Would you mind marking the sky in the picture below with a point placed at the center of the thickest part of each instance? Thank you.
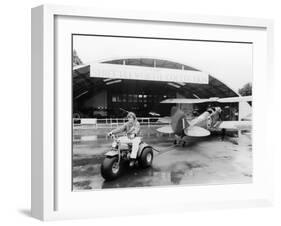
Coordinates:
(231, 63)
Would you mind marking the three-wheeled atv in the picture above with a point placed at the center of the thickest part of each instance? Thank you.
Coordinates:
(119, 157)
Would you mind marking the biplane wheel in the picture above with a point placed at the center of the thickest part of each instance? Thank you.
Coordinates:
(183, 144)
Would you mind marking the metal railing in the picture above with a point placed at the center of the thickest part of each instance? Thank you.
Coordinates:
(114, 122)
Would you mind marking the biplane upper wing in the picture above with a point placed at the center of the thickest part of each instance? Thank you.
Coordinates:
(184, 101)
(211, 99)
(235, 99)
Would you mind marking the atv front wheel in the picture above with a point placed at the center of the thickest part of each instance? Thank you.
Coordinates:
(110, 168)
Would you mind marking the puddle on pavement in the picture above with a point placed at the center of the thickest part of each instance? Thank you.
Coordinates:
(82, 185)
(137, 177)
(168, 169)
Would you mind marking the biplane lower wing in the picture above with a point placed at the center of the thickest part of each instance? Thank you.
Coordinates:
(165, 129)
(164, 120)
(196, 131)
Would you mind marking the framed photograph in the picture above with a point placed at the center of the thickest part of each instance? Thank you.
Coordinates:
(136, 113)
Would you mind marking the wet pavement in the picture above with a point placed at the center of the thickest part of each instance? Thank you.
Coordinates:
(202, 161)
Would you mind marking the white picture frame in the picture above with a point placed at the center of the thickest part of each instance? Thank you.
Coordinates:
(47, 188)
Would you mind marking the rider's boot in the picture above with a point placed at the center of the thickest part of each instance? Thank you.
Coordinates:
(132, 162)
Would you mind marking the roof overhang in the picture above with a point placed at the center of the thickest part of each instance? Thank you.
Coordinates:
(85, 77)
(116, 71)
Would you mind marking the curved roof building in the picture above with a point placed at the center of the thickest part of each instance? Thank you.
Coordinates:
(138, 95)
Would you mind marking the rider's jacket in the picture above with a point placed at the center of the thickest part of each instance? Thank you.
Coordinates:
(129, 128)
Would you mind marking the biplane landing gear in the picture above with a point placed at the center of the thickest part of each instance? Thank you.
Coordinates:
(180, 141)
(183, 143)
(177, 140)
(222, 134)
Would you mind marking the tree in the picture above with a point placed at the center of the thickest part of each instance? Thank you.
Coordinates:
(246, 90)
(75, 59)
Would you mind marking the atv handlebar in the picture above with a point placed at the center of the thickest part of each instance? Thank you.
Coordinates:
(115, 137)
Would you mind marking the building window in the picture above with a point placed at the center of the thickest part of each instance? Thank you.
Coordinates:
(124, 99)
(130, 98)
(135, 98)
(144, 98)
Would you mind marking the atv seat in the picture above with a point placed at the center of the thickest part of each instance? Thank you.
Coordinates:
(125, 144)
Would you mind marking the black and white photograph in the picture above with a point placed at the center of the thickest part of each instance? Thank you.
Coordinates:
(152, 112)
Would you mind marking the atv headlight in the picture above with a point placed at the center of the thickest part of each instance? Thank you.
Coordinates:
(114, 144)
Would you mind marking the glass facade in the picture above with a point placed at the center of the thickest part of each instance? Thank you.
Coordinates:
(141, 103)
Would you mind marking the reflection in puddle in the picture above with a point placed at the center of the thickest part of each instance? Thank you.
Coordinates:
(84, 185)
(184, 169)
(89, 138)
(77, 138)
(154, 176)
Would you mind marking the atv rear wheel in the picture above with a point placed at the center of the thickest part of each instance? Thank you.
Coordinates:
(146, 157)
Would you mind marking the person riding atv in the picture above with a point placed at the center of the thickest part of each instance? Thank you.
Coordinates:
(126, 149)
(132, 130)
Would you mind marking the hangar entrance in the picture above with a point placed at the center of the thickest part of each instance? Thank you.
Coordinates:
(112, 98)
(142, 97)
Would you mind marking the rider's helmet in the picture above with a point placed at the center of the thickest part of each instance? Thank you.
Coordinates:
(132, 114)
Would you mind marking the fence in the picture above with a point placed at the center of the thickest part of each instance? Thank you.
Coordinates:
(113, 122)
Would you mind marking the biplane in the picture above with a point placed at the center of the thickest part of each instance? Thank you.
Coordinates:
(202, 125)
